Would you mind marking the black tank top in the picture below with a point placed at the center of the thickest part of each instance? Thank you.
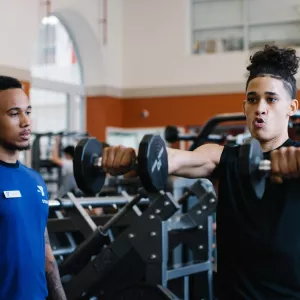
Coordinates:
(258, 240)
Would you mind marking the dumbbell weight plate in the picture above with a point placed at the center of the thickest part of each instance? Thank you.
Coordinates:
(152, 168)
(153, 163)
(171, 134)
(89, 178)
(249, 158)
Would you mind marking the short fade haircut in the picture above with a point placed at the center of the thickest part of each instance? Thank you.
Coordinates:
(275, 62)
(69, 150)
(7, 82)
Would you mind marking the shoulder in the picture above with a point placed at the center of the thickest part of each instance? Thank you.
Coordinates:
(228, 160)
(230, 152)
(67, 166)
(33, 174)
(66, 162)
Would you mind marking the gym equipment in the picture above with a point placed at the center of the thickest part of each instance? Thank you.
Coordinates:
(151, 165)
(58, 204)
(138, 261)
(41, 162)
(212, 123)
(238, 139)
(97, 236)
(62, 226)
(172, 135)
(253, 167)
(69, 224)
(37, 162)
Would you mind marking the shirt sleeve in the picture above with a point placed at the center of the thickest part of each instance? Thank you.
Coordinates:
(67, 166)
(228, 158)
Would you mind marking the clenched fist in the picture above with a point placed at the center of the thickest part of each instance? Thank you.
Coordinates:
(118, 160)
(285, 163)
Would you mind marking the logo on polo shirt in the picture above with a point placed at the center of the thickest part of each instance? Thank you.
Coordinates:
(41, 190)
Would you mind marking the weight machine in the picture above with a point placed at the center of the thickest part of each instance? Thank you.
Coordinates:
(138, 263)
(40, 158)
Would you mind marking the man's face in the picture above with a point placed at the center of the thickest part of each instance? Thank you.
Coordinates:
(268, 107)
(15, 120)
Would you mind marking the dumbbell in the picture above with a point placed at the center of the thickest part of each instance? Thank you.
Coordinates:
(172, 135)
(151, 164)
(253, 167)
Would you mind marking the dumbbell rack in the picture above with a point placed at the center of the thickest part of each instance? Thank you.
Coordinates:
(73, 221)
(141, 253)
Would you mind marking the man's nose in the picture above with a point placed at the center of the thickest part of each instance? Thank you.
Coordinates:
(261, 108)
(25, 120)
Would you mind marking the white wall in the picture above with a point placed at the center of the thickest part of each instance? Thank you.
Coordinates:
(157, 49)
(103, 63)
(18, 32)
(148, 46)
(20, 21)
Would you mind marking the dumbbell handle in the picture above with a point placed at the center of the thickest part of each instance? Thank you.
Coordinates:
(98, 163)
(264, 165)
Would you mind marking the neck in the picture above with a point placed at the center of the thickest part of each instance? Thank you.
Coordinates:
(8, 156)
(270, 145)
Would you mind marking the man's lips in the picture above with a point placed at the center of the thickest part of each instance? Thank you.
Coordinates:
(259, 122)
(25, 135)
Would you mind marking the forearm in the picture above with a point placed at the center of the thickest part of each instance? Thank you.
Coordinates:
(55, 150)
(194, 164)
(55, 288)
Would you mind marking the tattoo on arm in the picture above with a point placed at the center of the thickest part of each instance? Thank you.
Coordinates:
(55, 288)
(47, 241)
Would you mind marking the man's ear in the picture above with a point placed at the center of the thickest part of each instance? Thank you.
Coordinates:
(293, 107)
(244, 104)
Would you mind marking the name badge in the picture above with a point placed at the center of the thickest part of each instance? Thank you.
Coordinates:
(12, 194)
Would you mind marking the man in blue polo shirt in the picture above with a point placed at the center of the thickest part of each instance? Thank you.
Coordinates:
(28, 270)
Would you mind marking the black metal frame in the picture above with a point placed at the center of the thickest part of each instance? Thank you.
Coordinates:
(142, 252)
(212, 123)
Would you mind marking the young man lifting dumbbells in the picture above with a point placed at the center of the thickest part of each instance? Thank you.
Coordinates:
(258, 240)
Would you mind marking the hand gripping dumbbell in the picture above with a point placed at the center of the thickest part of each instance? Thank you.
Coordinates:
(151, 164)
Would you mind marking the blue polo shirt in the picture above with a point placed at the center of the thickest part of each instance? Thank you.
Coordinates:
(23, 219)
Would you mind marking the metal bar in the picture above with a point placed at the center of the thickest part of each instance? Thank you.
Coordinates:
(165, 253)
(209, 258)
(186, 288)
(135, 208)
(61, 225)
(67, 225)
(129, 205)
(63, 251)
(188, 270)
(92, 202)
(212, 123)
(85, 216)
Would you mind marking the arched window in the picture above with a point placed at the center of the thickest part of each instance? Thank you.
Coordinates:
(57, 80)
(56, 94)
